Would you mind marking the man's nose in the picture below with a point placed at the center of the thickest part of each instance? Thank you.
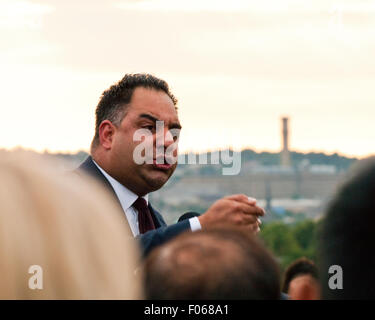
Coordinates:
(168, 139)
(164, 139)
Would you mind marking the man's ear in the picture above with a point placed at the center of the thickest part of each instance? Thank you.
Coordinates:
(106, 132)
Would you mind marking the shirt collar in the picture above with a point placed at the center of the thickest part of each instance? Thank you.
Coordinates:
(126, 196)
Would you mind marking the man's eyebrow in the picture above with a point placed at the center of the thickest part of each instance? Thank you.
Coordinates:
(148, 116)
(175, 125)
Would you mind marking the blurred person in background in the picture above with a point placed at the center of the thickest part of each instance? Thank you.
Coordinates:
(301, 280)
(347, 240)
(222, 263)
(136, 103)
(61, 237)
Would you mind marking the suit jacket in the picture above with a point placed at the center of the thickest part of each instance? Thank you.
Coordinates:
(152, 238)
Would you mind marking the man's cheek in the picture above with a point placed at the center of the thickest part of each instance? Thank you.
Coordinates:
(173, 167)
(175, 153)
(143, 151)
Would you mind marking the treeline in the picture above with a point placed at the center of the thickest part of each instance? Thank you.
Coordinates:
(289, 242)
(341, 163)
(269, 158)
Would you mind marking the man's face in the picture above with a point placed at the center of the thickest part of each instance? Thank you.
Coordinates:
(146, 107)
(304, 287)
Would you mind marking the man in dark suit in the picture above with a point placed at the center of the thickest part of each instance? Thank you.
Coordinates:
(138, 102)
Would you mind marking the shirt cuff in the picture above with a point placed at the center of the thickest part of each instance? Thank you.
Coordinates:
(195, 225)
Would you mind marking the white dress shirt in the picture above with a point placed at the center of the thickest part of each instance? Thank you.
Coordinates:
(127, 198)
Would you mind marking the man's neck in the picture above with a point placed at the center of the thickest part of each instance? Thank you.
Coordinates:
(101, 159)
(113, 182)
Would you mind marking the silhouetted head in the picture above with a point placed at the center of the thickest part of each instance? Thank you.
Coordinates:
(347, 239)
(212, 264)
(67, 230)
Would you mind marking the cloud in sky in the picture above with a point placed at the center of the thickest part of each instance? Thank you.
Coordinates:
(22, 14)
(265, 6)
(94, 36)
(310, 59)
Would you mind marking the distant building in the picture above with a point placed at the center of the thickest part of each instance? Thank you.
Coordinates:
(285, 154)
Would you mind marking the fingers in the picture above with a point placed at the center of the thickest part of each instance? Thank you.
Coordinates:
(236, 209)
(251, 221)
(252, 228)
(242, 198)
(257, 230)
(249, 209)
(241, 203)
(259, 211)
(248, 219)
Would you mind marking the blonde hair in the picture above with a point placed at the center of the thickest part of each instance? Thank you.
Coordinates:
(67, 225)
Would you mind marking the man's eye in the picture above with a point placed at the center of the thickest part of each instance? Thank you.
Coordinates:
(149, 127)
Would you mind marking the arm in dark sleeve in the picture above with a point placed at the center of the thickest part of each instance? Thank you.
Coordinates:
(154, 238)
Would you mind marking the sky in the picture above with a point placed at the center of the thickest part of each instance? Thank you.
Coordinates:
(236, 67)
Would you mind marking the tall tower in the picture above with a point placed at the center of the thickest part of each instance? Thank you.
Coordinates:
(285, 154)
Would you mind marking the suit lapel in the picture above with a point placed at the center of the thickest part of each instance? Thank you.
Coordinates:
(157, 217)
(89, 167)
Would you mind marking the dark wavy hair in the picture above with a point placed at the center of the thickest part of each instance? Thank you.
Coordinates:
(299, 267)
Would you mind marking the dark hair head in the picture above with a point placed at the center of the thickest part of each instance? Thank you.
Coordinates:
(347, 238)
(301, 266)
(113, 102)
(212, 264)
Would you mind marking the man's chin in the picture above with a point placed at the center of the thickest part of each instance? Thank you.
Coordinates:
(157, 178)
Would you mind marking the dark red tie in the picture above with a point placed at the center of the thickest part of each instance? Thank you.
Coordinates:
(145, 221)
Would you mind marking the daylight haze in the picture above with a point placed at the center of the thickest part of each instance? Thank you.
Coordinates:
(236, 67)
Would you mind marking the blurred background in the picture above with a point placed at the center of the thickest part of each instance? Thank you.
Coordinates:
(288, 84)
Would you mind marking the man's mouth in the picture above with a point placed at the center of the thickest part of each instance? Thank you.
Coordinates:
(162, 166)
